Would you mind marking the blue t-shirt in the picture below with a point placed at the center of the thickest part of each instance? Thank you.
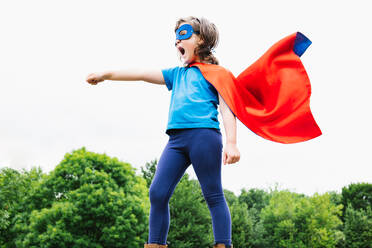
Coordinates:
(194, 100)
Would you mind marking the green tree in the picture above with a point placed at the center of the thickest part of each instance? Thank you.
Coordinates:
(336, 198)
(89, 200)
(255, 198)
(358, 228)
(149, 171)
(230, 197)
(293, 220)
(9, 195)
(242, 225)
(15, 187)
(358, 195)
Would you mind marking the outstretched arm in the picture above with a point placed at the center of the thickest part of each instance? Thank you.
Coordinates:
(231, 153)
(150, 76)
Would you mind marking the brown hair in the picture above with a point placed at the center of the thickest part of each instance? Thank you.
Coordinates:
(208, 33)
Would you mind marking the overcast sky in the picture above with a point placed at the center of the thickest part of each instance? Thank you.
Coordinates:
(47, 48)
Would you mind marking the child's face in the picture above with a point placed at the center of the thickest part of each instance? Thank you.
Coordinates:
(186, 47)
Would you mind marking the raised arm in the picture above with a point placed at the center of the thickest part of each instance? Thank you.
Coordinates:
(231, 153)
(150, 76)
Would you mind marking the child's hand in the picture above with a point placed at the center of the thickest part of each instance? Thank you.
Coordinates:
(95, 78)
(231, 154)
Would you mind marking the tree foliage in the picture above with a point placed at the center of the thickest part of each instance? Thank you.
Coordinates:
(358, 196)
(148, 172)
(230, 197)
(89, 200)
(292, 220)
(254, 198)
(242, 225)
(358, 228)
(15, 188)
(92, 200)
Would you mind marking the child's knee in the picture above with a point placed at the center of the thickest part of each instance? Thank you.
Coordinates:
(214, 199)
(158, 194)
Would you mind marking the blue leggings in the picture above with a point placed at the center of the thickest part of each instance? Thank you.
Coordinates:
(201, 147)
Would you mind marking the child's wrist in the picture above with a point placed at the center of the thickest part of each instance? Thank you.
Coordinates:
(231, 143)
(106, 75)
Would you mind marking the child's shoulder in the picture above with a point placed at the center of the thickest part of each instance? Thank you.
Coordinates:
(211, 68)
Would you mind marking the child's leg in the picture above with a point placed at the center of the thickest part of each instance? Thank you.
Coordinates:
(206, 154)
(170, 169)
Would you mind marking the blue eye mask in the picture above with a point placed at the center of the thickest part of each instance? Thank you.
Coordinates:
(186, 30)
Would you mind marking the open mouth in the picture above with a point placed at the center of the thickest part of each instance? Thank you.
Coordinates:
(182, 50)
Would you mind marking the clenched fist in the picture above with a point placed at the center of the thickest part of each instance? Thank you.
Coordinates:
(231, 154)
(95, 78)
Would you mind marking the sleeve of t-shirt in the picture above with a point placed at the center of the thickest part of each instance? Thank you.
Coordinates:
(169, 75)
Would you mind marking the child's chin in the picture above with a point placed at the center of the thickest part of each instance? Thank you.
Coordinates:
(186, 61)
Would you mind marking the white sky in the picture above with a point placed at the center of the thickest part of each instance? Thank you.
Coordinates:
(47, 48)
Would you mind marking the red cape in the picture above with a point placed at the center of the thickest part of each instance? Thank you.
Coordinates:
(272, 96)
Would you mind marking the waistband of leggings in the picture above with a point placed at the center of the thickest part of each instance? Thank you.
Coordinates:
(181, 130)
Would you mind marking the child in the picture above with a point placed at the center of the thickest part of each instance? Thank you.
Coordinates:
(193, 129)
(271, 97)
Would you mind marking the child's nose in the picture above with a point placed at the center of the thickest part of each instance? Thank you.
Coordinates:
(177, 41)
